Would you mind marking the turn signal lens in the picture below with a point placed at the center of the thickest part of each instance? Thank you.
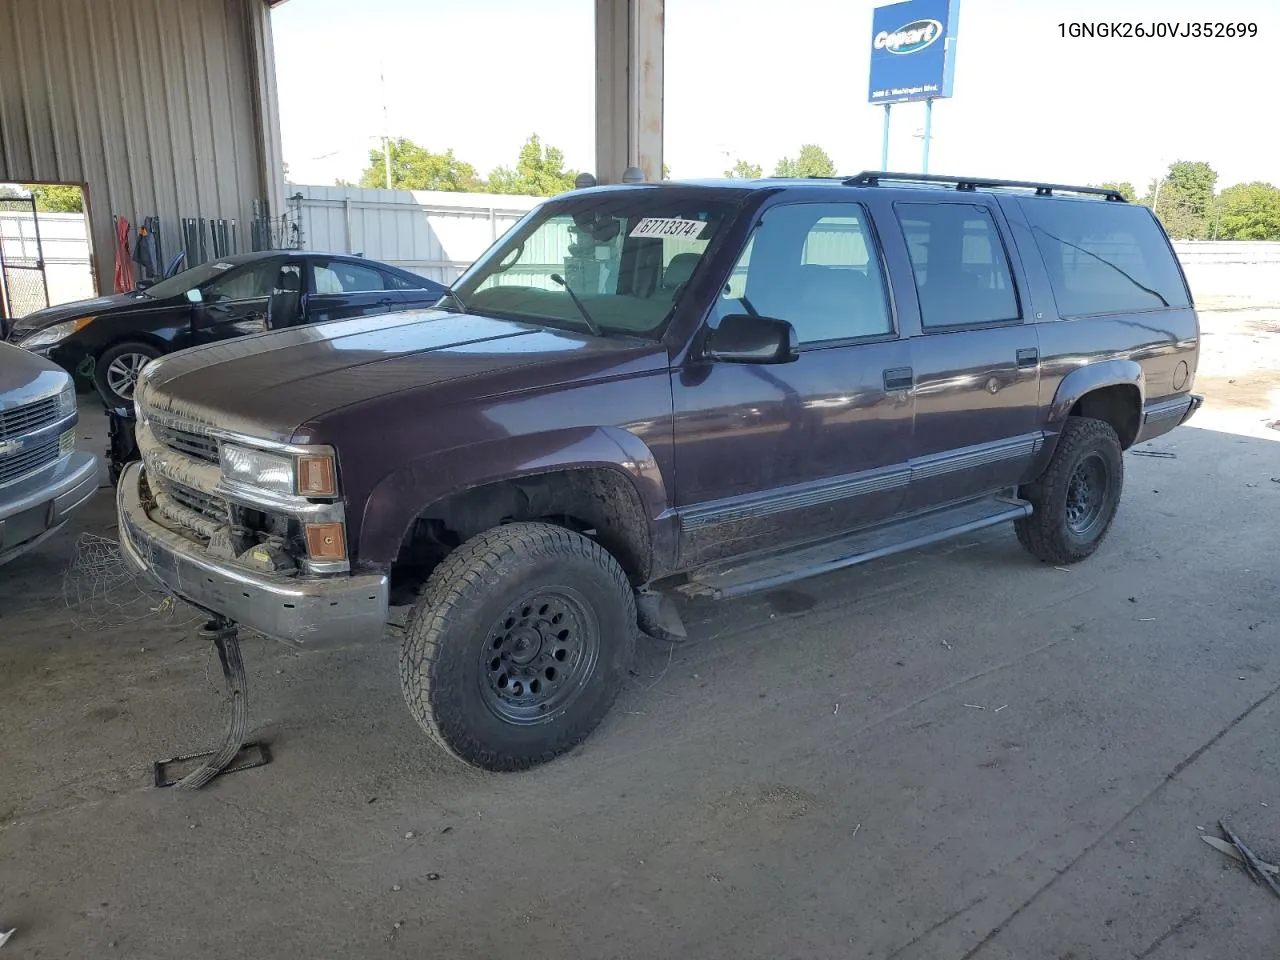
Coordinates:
(316, 477)
(326, 541)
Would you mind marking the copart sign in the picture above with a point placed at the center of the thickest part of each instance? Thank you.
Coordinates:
(912, 50)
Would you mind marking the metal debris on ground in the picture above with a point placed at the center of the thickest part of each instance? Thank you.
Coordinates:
(1159, 454)
(998, 709)
(1259, 871)
(946, 643)
(4, 937)
(975, 706)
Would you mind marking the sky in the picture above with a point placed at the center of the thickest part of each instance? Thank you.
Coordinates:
(754, 80)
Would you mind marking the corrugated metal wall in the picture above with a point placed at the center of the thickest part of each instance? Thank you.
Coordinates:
(434, 234)
(160, 107)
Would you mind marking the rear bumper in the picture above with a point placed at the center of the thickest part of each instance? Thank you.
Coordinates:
(1196, 401)
(302, 611)
(1162, 416)
(33, 509)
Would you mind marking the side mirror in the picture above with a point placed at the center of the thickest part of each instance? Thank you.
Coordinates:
(144, 284)
(746, 338)
(194, 296)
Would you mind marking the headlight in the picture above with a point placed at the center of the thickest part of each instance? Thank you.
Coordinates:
(67, 401)
(308, 475)
(54, 334)
(257, 468)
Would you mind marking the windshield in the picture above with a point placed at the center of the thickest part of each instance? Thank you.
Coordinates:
(180, 283)
(627, 257)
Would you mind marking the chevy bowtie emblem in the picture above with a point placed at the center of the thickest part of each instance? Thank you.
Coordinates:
(9, 447)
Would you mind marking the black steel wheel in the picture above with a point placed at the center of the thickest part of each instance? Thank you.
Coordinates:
(1076, 498)
(518, 645)
(539, 654)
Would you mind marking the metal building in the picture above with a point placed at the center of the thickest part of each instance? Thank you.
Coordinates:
(162, 108)
(168, 108)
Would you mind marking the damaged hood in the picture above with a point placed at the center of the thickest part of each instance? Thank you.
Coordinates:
(272, 385)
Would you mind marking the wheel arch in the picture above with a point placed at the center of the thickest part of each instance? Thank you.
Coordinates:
(1112, 391)
(604, 480)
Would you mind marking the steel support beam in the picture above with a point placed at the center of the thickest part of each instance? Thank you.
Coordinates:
(629, 35)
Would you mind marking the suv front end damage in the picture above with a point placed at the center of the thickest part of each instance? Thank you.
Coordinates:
(251, 530)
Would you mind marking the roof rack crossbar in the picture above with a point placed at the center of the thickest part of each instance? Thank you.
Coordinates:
(871, 178)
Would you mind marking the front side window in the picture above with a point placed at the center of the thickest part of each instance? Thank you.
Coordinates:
(960, 266)
(248, 283)
(813, 265)
(627, 257)
(1104, 257)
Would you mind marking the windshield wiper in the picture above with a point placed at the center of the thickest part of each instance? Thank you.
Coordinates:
(591, 324)
(450, 295)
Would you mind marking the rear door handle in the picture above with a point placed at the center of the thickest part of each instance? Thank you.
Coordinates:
(899, 378)
(1028, 357)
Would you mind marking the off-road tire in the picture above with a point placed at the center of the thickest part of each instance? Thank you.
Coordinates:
(1046, 534)
(464, 603)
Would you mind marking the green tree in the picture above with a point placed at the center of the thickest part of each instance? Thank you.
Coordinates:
(1124, 188)
(58, 198)
(539, 172)
(812, 162)
(414, 167)
(1248, 211)
(741, 170)
(1183, 199)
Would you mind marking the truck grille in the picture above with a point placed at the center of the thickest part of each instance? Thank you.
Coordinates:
(190, 444)
(28, 460)
(215, 508)
(28, 419)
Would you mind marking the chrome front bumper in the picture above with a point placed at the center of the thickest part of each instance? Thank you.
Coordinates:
(302, 611)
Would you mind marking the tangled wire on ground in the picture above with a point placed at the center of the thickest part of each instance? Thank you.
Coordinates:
(102, 591)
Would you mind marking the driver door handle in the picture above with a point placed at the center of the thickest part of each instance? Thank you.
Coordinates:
(899, 378)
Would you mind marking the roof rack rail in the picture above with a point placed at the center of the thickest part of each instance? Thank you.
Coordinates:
(871, 178)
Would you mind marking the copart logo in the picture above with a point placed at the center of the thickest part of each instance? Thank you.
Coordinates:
(908, 39)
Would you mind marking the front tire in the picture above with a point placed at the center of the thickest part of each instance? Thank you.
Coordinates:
(1077, 496)
(518, 645)
(116, 371)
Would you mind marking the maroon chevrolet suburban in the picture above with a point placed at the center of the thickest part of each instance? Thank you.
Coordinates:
(710, 388)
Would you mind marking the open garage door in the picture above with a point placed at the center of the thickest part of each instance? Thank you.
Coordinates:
(22, 266)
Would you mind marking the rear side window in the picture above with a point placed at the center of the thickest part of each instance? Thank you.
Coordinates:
(960, 266)
(1104, 257)
(338, 276)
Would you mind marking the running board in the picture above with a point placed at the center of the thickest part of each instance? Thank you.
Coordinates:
(721, 581)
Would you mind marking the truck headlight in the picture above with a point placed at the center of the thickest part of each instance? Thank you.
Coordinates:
(257, 468)
(53, 334)
(306, 475)
(67, 401)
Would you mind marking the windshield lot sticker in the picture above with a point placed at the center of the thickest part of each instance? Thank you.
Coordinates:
(668, 227)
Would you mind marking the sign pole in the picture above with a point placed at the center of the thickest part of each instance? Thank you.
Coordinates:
(884, 141)
(928, 129)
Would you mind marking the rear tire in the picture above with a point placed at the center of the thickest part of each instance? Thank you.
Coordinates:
(1077, 496)
(518, 645)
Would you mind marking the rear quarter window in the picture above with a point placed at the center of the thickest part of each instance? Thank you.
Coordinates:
(1105, 257)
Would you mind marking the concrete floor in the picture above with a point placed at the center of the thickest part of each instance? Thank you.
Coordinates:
(951, 754)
